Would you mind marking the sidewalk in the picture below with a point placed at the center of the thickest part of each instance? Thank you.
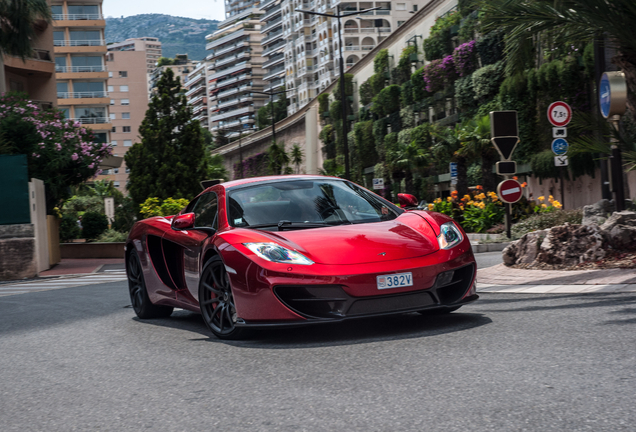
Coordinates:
(502, 279)
(82, 266)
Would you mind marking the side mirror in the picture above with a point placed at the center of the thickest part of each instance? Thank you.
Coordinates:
(183, 221)
(407, 200)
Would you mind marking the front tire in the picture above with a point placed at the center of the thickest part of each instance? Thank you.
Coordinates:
(139, 294)
(216, 301)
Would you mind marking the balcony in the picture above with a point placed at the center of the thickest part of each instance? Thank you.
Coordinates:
(193, 81)
(77, 17)
(227, 50)
(202, 99)
(77, 69)
(230, 70)
(269, 14)
(74, 43)
(82, 95)
(272, 24)
(273, 75)
(234, 101)
(227, 60)
(367, 47)
(229, 81)
(225, 39)
(90, 120)
(194, 91)
(273, 49)
(272, 37)
(273, 61)
(230, 114)
(352, 48)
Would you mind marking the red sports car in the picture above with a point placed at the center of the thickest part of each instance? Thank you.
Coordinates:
(291, 250)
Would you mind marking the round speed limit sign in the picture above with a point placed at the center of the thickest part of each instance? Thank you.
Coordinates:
(559, 113)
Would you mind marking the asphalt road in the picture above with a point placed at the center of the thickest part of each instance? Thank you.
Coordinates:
(77, 359)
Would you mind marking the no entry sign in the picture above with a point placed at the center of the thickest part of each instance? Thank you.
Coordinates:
(509, 191)
(559, 113)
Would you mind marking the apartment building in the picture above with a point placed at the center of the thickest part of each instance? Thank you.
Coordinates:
(181, 68)
(310, 45)
(236, 72)
(130, 65)
(196, 93)
(34, 75)
(80, 48)
(234, 8)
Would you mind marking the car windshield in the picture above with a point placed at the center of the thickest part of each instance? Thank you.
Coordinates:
(297, 204)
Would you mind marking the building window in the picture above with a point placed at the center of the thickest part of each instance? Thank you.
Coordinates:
(125, 101)
(400, 6)
(414, 8)
(125, 115)
(127, 170)
(112, 101)
(126, 129)
(112, 116)
(400, 23)
(123, 74)
(114, 129)
(123, 88)
(111, 88)
(113, 143)
(127, 143)
(116, 184)
(106, 172)
(116, 170)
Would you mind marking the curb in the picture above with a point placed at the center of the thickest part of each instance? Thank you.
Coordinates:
(489, 247)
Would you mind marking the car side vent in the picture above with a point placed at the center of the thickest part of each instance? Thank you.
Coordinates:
(156, 256)
(453, 290)
(316, 301)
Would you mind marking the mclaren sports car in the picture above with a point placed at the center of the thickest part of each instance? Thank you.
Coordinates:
(296, 250)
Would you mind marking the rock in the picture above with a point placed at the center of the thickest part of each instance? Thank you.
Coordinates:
(625, 217)
(597, 213)
(568, 245)
(524, 250)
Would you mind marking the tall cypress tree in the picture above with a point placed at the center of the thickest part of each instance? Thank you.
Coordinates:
(171, 159)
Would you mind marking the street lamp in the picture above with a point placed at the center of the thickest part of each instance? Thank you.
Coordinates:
(271, 102)
(343, 96)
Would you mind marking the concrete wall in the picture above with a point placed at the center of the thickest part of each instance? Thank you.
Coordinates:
(37, 204)
(17, 249)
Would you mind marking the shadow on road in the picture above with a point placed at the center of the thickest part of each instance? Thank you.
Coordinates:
(364, 330)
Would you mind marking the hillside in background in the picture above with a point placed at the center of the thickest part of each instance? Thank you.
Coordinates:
(177, 35)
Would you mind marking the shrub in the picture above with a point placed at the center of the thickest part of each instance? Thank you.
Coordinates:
(487, 80)
(465, 58)
(154, 207)
(112, 236)
(434, 76)
(547, 220)
(93, 224)
(69, 229)
(78, 204)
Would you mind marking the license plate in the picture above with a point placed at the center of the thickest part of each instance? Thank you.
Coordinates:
(395, 280)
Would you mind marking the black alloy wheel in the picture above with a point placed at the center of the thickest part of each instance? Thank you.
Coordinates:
(217, 301)
(139, 295)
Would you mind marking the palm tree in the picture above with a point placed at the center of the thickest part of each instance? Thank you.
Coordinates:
(278, 158)
(476, 145)
(447, 148)
(297, 157)
(17, 29)
(566, 21)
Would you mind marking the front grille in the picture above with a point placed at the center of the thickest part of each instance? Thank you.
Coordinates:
(457, 288)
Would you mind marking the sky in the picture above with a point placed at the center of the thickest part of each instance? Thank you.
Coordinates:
(208, 9)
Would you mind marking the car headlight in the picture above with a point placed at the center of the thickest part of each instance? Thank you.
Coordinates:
(278, 254)
(450, 236)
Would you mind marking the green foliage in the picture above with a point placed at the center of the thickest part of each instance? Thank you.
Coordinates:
(486, 81)
(296, 157)
(21, 21)
(328, 140)
(171, 159)
(377, 81)
(381, 61)
(491, 47)
(69, 229)
(348, 87)
(217, 168)
(165, 61)
(154, 206)
(78, 205)
(323, 103)
(366, 92)
(465, 94)
(402, 71)
(335, 111)
(278, 159)
(468, 28)
(124, 215)
(112, 236)
(264, 114)
(515, 94)
(387, 101)
(419, 86)
(93, 224)
(439, 43)
(364, 145)
(406, 94)
(546, 220)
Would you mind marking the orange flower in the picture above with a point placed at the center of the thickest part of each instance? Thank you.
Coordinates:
(454, 194)
(479, 187)
(515, 178)
(524, 184)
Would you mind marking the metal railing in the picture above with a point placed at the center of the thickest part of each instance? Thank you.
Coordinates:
(90, 120)
(73, 69)
(81, 95)
(89, 42)
(77, 17)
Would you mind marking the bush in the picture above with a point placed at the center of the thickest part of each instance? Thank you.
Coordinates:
(487, 80)
(78, 204)
(112, 236)
(547, 220)
(93, 225)
(69, 229)
(154, 207)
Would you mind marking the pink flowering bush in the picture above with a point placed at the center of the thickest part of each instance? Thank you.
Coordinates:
(465, 58)
(59, 152)
(439, 73)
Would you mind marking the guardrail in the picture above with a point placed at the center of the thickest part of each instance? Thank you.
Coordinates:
(77, 17)
(81, 95)
(91, 42)
(67, 69)
(91, 120)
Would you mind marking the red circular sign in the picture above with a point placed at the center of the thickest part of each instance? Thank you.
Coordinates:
(559, 113)
(509, 191)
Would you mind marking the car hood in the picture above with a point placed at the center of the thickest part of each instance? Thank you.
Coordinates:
(407, 236)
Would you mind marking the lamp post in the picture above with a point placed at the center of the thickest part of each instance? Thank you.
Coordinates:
(271, 95)
(343, 95)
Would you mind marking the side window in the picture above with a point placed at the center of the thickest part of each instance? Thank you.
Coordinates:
(204, 210)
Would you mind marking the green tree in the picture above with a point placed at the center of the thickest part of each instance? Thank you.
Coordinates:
(565, 21)
(297, 157)
(171, 159)
(278, 158)
(476, 145)
(17, 29)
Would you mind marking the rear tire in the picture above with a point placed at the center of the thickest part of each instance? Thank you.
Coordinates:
(141, 303)
(440, 311)
(217, 301)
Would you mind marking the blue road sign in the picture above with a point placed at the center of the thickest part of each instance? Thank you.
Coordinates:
(453, 170)
(605, 95)
(559, 146)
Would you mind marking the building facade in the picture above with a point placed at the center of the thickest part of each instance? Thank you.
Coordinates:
(236, 73)
(196, 93)
(129, 70)
(80, 48)
(34, 75)
(181, 68)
